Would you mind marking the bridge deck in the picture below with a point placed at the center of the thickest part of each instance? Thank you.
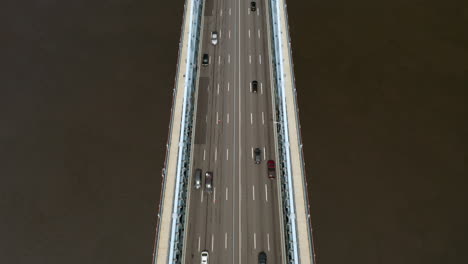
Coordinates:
(300, 193)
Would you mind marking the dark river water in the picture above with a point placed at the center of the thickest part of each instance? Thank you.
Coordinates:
(85, 93)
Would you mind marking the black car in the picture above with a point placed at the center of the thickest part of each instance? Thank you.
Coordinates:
(254, 86)
(253, 6)
(205, 59)
(262, 258)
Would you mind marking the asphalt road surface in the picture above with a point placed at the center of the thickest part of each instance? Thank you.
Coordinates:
(240, 217)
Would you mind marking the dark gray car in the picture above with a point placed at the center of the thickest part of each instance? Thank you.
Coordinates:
(209, 181)
(258, 155)
(205, 60)
(253, 6)
(254, 86)
(262, 258)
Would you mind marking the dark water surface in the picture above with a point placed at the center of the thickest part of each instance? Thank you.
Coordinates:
(85, 93)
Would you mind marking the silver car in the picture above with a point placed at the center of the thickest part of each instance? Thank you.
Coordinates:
(198, 175)
(214, 37)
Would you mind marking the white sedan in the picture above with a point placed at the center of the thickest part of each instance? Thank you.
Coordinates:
(214, 37)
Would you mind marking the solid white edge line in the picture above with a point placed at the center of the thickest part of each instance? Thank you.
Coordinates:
(239, 138)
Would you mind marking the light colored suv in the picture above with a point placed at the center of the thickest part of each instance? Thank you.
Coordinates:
(204, 257)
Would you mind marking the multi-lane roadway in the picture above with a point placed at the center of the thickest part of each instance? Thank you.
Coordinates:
(240, 217)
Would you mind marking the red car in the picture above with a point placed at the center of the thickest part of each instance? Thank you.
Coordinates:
(271, 169)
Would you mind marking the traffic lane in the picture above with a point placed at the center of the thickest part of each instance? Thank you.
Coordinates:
(249, 209)
(198, 209)
(195, 220)
(244, 243)
(260, 190)
(259, 107)
(219, 146)
(195, 224)
(223, 235)
(223, 184)
(275, 205)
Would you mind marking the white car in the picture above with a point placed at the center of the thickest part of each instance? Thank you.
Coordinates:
(214, 37)
(204, 257)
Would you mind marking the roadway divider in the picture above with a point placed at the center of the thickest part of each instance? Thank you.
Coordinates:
(284, 86)
(169, 243)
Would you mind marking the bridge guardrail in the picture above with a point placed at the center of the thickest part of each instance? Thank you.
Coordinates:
(282, 127)
(178, 219)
